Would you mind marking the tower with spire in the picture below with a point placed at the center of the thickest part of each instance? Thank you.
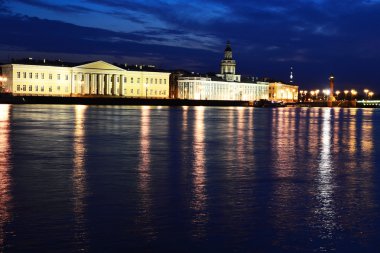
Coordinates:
(228, 66)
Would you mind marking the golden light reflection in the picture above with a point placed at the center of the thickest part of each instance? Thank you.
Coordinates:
(145, 210)
(199, 200)
(79, 175)
(326, 209)
(5, 180)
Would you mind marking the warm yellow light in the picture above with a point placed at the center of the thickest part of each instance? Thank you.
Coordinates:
(366, 91)
(337, 92)
(346, 92)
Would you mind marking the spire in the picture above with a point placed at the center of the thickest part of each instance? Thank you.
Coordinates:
(291, 75)
(228, 51)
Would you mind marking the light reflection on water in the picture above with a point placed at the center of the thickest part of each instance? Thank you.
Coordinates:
(79, 177)
(240, 179)
(5, 179)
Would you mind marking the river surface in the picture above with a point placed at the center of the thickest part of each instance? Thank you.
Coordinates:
(188, 179)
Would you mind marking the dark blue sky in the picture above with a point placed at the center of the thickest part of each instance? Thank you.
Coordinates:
(316, 37)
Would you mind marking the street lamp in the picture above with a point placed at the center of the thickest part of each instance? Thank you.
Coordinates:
(353, 93)
(366, 92)
(337, 94)
(370, 94)
(345, 94)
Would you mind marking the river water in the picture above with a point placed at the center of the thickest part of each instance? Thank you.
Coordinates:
(188, 179)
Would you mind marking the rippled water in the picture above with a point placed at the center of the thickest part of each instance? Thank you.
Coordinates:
(188, 179)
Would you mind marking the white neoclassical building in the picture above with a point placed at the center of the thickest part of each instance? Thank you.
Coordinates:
(93, 79)
(224, 86)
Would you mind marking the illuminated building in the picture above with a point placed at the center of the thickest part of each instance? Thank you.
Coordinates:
(94, 78)
(224, 86)
(283, 92)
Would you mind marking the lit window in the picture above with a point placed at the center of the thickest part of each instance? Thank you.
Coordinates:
(125, 79)
(67, 77)
(164, 81)
(24, 74)
(18, 75)
(36, 75)
(24, 87)
(160, 81)
(30, 87)
(18, 87)
(50, 88)
(42, 88)
(30, 75)
(36, 87)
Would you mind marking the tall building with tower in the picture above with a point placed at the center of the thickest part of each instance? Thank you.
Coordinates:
(224, 86)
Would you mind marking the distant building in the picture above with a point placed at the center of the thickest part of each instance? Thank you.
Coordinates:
(281, 92)
(94, 78)
(224, 86)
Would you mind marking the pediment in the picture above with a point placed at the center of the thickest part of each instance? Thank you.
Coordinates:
(99, 65)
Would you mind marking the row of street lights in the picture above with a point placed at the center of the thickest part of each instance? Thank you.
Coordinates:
(314, 94)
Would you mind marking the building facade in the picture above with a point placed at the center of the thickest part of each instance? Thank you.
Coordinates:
(281, 92)
(95, 78)
(224, 86)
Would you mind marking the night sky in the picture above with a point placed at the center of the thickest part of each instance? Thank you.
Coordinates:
(316, 37)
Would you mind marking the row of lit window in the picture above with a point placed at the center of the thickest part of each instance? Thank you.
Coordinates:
(152, 80)
(39, 88)
(39, 76)
(66, 77)
(151, 92)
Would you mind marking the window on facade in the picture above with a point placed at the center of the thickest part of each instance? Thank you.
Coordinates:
(138, 80)
(131, 79)
(42, 88)
(30, 75)
(151, 80)
(36, 75)
(155, 81)
(18, 75)
(18, 87)
(42, 76)
(58, 88)
(24, 74)
(50, 89)
(155, 92)
(30, 87)
(24, 87)
(58, 76)
(146, 81)
(160, 81)
(50, 76)
(131, 91)
(67, 77)
(164, 81)
(36, 87)
(164, 92)
(75, 77)
(125, 79)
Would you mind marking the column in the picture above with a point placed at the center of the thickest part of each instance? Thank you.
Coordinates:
(93, 84)
(87, 84)
(108, 85)
(121, 85)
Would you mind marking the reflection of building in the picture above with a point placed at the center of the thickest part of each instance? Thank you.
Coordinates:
(95, 78)
(283, 92)
(224, 86)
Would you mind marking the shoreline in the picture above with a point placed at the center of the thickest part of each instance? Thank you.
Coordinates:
(115, 100)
